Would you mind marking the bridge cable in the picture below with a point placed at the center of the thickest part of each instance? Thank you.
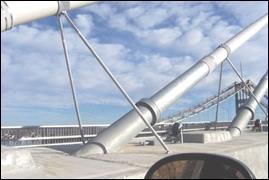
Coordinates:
(115, 81)
(208, 104)
(243, 81)
(217, 108)
(69, 70)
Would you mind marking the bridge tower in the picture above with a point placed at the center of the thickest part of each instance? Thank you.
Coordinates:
(241, 97)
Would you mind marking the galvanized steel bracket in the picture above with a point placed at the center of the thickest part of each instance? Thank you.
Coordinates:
(63, 6)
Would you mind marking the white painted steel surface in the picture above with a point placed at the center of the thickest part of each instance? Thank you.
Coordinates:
(22, 12)
(170, 93)
(248, 110)
(128, 126)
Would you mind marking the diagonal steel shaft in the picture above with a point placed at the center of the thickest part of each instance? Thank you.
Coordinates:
(69, 70)
(110, 74)
(243, 81)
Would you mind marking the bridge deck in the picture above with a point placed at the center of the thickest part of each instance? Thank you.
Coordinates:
(134, 160)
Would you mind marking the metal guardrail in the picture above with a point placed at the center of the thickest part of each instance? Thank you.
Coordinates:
(42, 135)
(32, 136)
(38, 136)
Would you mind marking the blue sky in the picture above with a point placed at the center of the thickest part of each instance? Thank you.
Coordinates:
(146, 45)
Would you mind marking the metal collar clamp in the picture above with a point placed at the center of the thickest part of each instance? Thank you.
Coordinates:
(6, 15)
(210, 61)
(152, 107)
(63, 6)
(227, 48)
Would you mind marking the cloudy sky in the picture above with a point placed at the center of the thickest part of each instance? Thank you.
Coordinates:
(146, 45)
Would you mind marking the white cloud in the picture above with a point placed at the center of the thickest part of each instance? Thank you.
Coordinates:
(85, 23)
(193, 37)
(151, 18)
(160, 37)
(135, 12)
(103, 10)
(159, 41)
(244, 13)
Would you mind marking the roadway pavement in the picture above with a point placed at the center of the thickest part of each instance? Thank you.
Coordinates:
(135, 159)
